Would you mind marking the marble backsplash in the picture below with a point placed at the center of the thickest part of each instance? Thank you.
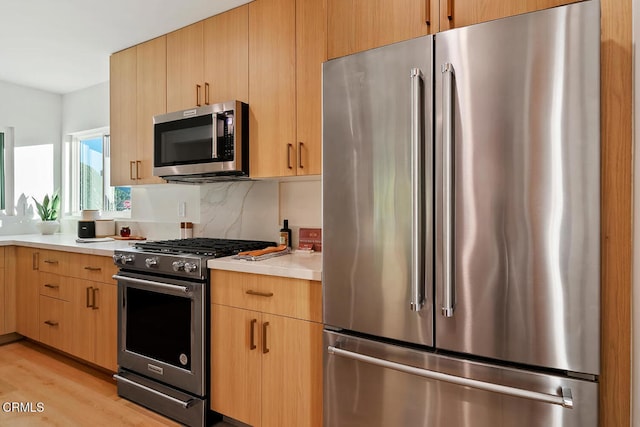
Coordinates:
(234, 209)
(231, 210)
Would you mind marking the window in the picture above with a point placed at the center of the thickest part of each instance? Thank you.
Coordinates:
(87, 181)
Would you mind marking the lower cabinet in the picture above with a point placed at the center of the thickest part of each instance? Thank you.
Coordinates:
(93, 335)
(266, 368)
(55, 322)
(26, 292)
(68, 301)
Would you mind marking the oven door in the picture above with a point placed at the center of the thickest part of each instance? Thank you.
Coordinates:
(161, 324)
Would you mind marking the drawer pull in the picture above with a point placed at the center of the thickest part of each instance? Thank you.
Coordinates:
(265, 348)
(94, 294)
(88, 303)
(253, 346)
(51, 323)
(51, 261)
(260, 294)
(49, 285)
(88, 267)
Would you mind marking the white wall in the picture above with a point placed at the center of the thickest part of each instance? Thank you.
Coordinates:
(85, 109)
(35, 116)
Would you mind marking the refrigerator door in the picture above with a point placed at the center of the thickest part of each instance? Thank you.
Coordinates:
(518, 189)
(369, 384)
(377, 191)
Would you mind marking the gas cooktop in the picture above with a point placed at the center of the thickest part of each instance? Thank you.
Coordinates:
(203, 246)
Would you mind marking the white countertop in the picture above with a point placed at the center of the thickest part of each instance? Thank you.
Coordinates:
(298, 265)
(64, 242)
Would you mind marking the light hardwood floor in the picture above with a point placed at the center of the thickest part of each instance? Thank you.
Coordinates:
(71, 394)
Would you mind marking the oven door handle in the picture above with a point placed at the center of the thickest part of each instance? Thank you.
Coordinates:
(160, 285)
(182, 403)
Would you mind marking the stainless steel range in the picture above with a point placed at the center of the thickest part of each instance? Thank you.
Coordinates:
(163, 318)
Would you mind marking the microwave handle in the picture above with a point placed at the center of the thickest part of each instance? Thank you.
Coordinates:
(214, 137)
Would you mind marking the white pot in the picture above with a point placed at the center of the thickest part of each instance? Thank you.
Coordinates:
(48, 227)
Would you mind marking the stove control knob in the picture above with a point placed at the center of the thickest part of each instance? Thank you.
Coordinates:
(122, 259)
(151, 262)
(177, 266)
(190, 267)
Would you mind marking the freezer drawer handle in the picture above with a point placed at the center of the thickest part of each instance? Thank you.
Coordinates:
(565, 400)
(184, 404)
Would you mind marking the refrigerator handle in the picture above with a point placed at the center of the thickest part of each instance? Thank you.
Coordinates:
(447, 191)
(417, 258)
(564, 399)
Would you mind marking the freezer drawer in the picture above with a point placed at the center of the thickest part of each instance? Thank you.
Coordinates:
(369, 383)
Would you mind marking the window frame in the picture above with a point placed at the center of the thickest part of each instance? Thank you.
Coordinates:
(71, 177)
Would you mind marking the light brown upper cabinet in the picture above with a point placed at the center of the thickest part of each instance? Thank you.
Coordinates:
(138, 92)
(460, 13)
(357, 25)
(185, 78)
(207, 62)
(287, 45)
(226, 58)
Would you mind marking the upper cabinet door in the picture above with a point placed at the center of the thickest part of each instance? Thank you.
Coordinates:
(185, 68)
(152, 100)
(226, 56)
(357, 25)
(460, 13)
(311, 52)
(123, 89)
(272, 87)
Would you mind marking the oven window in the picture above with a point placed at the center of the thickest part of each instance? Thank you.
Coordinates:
(159, 326)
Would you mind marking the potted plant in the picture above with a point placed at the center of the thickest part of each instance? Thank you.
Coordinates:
(48, 212)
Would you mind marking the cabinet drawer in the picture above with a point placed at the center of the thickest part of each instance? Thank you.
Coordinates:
(53, 322)
(91, 267)
(55, 286)
(53, 261)
(284, 296)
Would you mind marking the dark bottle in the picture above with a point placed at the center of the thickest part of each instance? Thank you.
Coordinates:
(285, 234)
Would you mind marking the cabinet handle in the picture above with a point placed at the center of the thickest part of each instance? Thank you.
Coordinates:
(260, 294)
(35, 261)
(88, 303)
(300, 145)
(138, 167)
(51, 261)
(265, 349)
(289, 148)
(48, 285)
(90, 268)
(198, 87)
(253, 346)
(95, 299)
(427, 19)
(450, 10)
(51, 323)
(206, 93)
(131, 166)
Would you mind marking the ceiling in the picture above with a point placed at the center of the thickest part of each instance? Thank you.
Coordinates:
(62, 46)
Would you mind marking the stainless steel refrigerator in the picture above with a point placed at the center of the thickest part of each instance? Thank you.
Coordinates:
(461, 226)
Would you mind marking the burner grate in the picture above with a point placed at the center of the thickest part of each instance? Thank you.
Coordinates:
(203, 246)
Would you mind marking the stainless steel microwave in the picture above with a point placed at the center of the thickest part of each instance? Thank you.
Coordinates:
(202, 144)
